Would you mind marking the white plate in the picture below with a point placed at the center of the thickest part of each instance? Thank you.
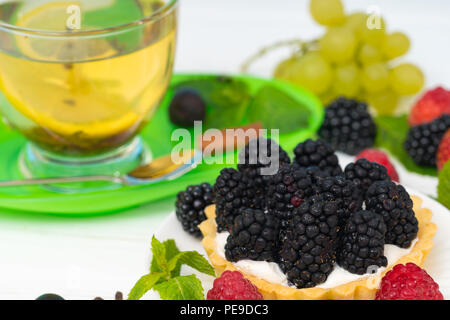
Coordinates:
(437, 263)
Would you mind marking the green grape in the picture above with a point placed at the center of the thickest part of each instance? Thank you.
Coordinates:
(338, 45)
(373, 31)
(327, 12)
(283, 69)
(369, 54)
(384, 102)
(346, 80)
(375, 77)
(406, 79)
(395, 45)
(312, 72)
(356, 21)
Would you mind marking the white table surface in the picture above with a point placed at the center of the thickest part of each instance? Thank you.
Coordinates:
(87, 257)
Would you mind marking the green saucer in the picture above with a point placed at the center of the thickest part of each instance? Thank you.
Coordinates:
(157, 135)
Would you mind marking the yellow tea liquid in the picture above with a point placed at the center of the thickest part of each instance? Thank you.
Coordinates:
(86, 96)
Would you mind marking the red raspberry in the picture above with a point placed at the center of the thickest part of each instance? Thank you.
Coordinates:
(431, 106)
(443, 154)
(381, 158)
(408, 282)
(233, 286)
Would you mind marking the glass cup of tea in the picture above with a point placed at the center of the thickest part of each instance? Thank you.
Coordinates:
(80, 79)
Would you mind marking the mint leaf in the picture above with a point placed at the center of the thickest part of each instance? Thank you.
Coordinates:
(143, 285)
(391, 134)
(171, 251)
(194, 260)
(181, 288)
(159, 255)
(171, 248)
(226, 98)
(277, 110)
(165, 276)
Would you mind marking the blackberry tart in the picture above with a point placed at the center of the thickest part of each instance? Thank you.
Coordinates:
(310, 236)
(276, 286)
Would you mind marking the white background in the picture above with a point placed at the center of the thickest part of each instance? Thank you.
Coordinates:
(218, 35)
(87, 257)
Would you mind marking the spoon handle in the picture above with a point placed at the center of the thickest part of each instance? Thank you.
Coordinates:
(153, 176)
(28, 182)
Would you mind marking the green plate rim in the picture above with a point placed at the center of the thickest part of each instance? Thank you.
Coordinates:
(79, 204)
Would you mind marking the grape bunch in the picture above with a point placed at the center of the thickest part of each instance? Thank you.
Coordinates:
(355, 58)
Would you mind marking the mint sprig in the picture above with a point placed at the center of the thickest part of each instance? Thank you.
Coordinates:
(165, 270)
(275, 109)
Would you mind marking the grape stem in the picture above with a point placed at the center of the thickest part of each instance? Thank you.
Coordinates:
(301, 48)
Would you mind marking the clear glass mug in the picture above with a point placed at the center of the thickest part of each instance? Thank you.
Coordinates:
(81, 78)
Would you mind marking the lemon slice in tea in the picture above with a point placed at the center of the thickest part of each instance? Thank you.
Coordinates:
(59, 98)
(55, 87)
(53, 17)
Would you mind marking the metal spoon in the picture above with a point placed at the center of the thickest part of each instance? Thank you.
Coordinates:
(162, 168)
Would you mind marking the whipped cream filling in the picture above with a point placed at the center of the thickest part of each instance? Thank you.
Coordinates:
(271, 272)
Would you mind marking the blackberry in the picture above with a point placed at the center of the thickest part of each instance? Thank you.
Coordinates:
(190, 207)
(423, 140)
(348, 126)
(394, 204)
(344, 192)
(362, 243)
(254, 236)
(289, 188)
(308, 248)
(252, 160)
(364, 173)
(186, 107)
(319, 154)
(233, 191)
(251, 157)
